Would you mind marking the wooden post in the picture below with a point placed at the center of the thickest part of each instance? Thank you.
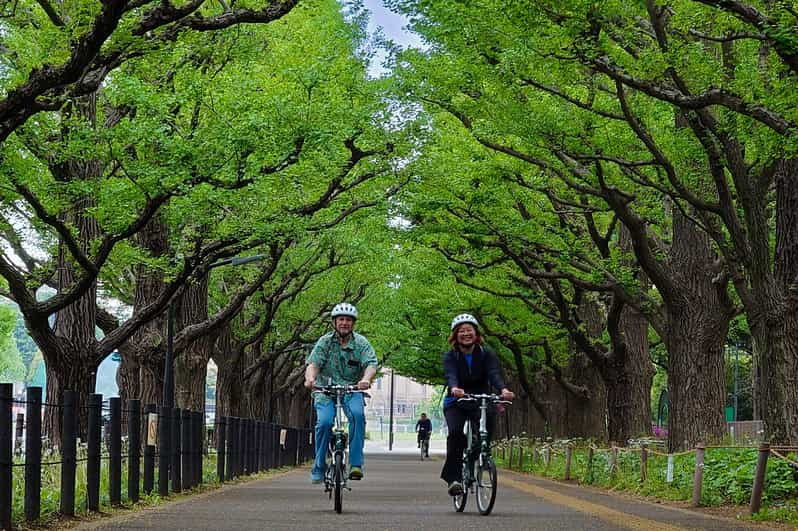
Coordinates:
(68, 454)
(231, 448)
(133, 449)
(520, 458)
(643, 463)
(589, 473)
(568, 451)
(93, 452)
(33, 453)
(149, 449)
(759, 478)
(177, 439)
(164, 453)
(6, 454)
(20, 428)
(115, 452)
(613, 460)
(548, 456)
(221, 434)
(698, 477)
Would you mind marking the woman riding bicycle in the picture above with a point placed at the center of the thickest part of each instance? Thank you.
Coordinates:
(468, 368)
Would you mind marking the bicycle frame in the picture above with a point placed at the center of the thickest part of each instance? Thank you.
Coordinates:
(482, 437)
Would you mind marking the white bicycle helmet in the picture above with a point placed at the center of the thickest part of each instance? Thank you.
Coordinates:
(344, 308)
(464, 318)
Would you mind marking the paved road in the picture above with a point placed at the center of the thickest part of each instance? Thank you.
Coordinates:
(400, 492)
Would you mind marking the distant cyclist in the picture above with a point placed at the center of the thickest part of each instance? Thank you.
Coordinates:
(424, 430)
(468, 368)
(341, 357)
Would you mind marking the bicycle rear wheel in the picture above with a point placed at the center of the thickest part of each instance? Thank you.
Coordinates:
(486, 486)
(424, 448)
(338, 481)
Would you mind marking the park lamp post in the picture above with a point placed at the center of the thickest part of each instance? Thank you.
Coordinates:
(168, 369)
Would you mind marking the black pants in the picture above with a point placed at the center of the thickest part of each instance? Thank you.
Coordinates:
(456, 415)
(422, 435)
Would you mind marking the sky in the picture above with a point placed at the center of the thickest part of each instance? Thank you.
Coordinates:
(393, 26)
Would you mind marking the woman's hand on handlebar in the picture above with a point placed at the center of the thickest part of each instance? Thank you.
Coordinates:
(309, 383)
(363, 385)
(507, 394)
(458, 392)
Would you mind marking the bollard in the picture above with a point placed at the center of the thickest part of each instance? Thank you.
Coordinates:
(115, 452)
(759, 478)
(68, 454)
(643, 463)
(568, 451)
(6, 454)
(93, 452)
(698, 477)
(221, 434)
(33, 453)
(133, 449)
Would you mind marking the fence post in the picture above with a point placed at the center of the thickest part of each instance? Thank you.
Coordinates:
(68, 454)
(133, 449)
(548, 456)
(93, 451)
(6, 454)
(185, 444)
(643, 463)
(231, 448)
(242, 446)
(149, 451)
(613, 459)
(115, 452)
(568, 451)
(221, 433)
(520, 458)
(199, 427)
(589, 464)
(164, 455)
(20, 427)
(698, 477)
(759, 478)
(177, 474)
(33, 453)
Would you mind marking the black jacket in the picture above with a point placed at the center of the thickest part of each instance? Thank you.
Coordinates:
(484, 371)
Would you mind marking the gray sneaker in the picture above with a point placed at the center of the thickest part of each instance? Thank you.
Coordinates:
(455, 488)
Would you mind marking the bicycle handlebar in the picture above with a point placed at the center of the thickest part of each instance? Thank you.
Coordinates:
(333, 389)
(496, 399)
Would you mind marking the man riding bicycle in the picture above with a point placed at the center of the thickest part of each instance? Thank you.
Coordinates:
(341, 357)
(424, 429)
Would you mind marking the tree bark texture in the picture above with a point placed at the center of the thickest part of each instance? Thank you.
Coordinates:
(698, 315)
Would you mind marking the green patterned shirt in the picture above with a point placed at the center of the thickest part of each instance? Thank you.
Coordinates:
(341, 365)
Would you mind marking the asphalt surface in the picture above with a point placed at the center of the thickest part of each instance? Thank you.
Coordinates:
(401, 492)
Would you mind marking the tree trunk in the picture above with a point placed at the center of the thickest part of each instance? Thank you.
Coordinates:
(627, 376)
(70, 372)
(774, 322)
(229, 376)
(191, 365)
(698, 314)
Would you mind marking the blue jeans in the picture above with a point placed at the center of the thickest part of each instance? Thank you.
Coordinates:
(325, 418)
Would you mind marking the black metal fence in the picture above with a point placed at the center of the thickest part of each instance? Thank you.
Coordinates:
(243, 446)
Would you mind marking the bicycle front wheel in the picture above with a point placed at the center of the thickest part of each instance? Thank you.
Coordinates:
(460, 500)
(338, 482)
(486, 486)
